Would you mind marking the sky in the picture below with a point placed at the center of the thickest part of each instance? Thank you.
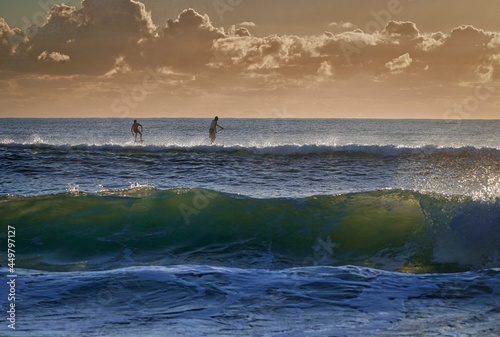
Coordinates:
(250, 58)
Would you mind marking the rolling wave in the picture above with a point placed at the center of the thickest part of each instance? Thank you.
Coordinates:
(284, 150)
(387, 229)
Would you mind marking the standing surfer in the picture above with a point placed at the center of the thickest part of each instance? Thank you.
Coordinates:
(135, 130)
(213, 130)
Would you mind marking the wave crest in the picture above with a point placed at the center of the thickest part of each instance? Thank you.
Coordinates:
(285, 150)
(386, 229)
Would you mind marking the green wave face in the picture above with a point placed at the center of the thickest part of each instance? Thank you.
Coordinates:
(388, 229)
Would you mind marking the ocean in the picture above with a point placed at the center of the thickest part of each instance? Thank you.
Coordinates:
(283, 227)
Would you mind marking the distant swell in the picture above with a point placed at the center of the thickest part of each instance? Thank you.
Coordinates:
(285, 150)
(386, 229)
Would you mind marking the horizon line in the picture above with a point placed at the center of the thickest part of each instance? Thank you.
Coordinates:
(360, 118)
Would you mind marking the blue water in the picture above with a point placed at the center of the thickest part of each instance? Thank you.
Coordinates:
(252, 157)
(283, 227)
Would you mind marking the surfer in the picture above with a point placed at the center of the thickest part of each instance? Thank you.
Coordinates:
(213, 129)
(135, 130)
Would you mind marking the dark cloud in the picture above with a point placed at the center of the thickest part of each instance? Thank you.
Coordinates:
(461, 55)
(184, 43)
(401, 29)
(93, 37)
(114, 37)
(242, 31)
(470, 37)
(9, 39)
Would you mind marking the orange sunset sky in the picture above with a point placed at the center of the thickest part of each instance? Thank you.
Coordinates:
(250, 58)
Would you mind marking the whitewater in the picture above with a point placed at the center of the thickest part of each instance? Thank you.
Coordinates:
(283, 227)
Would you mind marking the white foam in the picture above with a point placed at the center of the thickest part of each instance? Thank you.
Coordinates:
(284, 149)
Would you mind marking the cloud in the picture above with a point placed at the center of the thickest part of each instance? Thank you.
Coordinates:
(430, 41)
(341, 26)
(325, 69)
(401, 29)
(461, 56)
(284, 56)
(53, 57)
(184, 43)
(242, 31)
(470, 36)
(104, 51)
(247, 24)
(467, 54)
(399, 63)
(92, 40)
(9, 39)
(93, 37)
(113, 37)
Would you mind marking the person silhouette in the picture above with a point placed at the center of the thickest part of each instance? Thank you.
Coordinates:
(213, 129)
(135, 130)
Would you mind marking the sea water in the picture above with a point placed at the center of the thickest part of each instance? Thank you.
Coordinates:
(283, 227)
